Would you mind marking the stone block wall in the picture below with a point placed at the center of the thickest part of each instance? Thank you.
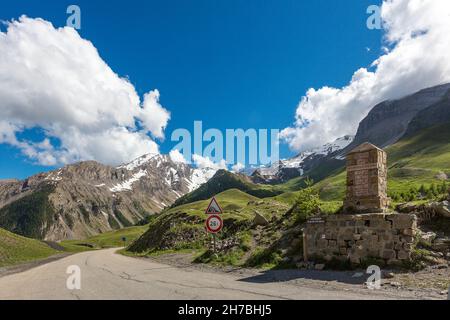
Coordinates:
(390, 237)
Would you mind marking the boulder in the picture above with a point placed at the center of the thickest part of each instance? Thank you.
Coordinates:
(442, 208)
(408, 207)
(304, 265)
(441, 176)
(428, 236)
(388, 275)
(260, 220)
(319, 266)
(441, 244)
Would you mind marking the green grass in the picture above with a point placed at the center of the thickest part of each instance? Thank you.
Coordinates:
(15, 249)
(112, 239)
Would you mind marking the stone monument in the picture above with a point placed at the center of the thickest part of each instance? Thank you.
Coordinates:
(368, 230)
(366, 180)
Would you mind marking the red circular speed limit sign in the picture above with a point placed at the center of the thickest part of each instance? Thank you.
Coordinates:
(214, 224)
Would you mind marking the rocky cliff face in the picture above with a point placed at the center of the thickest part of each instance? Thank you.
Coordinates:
(389, 121)
(88, 198)
(436, 114)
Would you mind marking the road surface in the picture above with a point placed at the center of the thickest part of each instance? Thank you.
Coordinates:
(107, 275)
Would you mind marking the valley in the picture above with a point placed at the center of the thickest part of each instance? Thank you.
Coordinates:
(154, 206)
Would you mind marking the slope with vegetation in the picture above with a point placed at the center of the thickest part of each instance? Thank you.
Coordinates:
(244, 241)
(224, 180)
(15, 249)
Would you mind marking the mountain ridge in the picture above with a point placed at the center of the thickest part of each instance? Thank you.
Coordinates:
(87, 198)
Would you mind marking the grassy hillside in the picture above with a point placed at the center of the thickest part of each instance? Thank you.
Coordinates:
(112, 239)
(182, 228)
(412, 162)
(241, 242)
(225, 180)
(16, 249)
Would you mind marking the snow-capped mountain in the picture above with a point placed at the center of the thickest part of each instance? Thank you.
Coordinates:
(284, 170)
(88, 198)
(180, 176)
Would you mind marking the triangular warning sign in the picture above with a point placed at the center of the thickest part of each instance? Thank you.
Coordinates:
(213, 207)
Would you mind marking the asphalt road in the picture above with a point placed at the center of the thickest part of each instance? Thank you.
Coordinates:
(106, 275)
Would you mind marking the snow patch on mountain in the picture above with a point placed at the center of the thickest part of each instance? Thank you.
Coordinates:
(324, 150)
(54, 176)
(171, 176)
(200, 176)
(138, 162)
(127, 185)
(298, 161)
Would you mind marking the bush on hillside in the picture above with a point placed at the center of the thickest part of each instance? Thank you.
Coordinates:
(307, 203)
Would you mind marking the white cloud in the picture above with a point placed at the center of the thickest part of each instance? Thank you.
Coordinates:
(205, 162)
(153, 116)
(415, 57)
(54, 80)
(177, 157)
(238, 167)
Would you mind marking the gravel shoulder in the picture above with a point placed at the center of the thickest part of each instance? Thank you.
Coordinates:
(5, 271)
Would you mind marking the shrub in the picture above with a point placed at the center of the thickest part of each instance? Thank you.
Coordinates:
(307, 203)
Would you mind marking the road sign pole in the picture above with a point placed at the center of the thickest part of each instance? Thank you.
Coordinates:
(214, 222)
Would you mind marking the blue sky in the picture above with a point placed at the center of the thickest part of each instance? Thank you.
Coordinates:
(230, 63)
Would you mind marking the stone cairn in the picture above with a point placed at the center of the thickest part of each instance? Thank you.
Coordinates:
(366, 229)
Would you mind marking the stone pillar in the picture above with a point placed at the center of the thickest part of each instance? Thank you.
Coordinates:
(366, 180)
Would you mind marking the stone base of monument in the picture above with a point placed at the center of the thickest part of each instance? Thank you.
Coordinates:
(361, 237)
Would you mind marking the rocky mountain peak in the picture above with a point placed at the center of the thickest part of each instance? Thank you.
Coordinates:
(284, 170)
(87, 198)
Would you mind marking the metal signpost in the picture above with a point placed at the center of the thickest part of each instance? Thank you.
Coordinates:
(214, 222)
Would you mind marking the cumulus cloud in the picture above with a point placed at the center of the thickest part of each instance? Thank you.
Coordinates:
(177, 157)
(415, 56)
(205, 162)
(238, 167)
(53, 80)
